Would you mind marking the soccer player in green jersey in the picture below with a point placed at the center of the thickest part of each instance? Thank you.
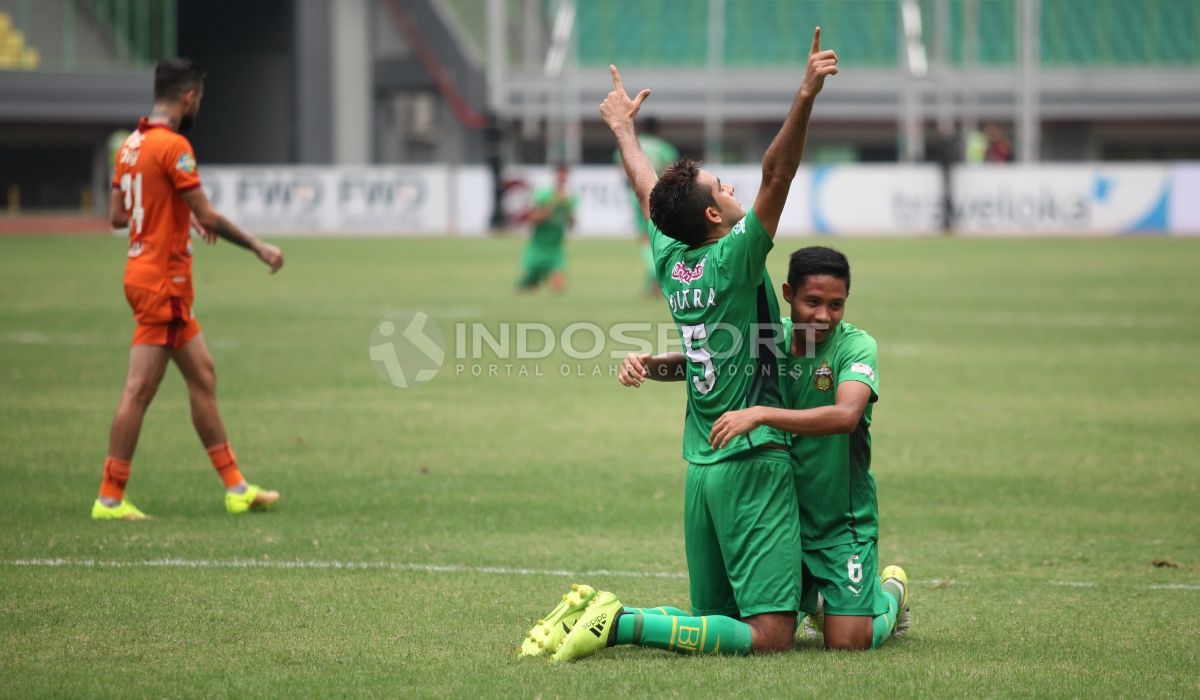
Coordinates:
(553, 212)
(661, 154)
(741, 522)
(830, 379)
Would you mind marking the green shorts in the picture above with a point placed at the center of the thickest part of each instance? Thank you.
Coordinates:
(741, 530)
(539, 264)
(847, 576)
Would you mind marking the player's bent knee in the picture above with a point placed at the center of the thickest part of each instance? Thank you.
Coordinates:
(773, 632)
(847, 634)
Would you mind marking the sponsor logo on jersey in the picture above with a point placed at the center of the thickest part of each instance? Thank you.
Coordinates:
(687, 275)
(855, 591)
(129, 156)
(130, 149)
(136, 248)
(862, 368)
(823, 377)
(739, 228)
(186, 163)
(796, 372)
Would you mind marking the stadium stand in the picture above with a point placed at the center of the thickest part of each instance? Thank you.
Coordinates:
(14, 53)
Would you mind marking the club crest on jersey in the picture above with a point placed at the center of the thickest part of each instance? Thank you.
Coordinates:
(186, 163)
(823, 377)
(687, 275)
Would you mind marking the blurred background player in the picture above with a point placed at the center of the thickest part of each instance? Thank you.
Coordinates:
(661, 154)
(553, 212)
(156, 193)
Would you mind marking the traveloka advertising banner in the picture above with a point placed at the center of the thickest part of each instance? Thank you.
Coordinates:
(1063, 200)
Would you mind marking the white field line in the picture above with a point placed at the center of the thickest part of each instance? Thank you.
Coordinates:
(336, 565)
(326, 564)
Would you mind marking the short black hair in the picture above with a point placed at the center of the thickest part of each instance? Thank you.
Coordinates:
(817, 260)
(175, 76)
(677, 203)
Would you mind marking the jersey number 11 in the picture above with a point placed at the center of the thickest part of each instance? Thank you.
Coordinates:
(131, 186)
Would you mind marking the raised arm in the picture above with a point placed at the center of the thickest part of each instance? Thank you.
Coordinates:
(212, 221)
(618, 112)
(782, 158)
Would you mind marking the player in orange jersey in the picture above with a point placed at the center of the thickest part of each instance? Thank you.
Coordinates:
(157, 194)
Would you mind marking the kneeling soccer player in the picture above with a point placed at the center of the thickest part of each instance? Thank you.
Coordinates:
(829, 382)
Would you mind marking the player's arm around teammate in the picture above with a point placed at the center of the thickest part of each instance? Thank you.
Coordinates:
(638, 367)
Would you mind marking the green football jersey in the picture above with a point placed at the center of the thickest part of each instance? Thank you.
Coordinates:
(549, 232)
(722, 300)
(833, 472)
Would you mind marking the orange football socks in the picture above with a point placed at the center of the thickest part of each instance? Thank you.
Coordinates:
(225, 462)
(116, 474)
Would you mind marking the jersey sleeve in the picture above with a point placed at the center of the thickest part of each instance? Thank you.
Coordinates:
(181, 166)
(858, 362)
(742, 253)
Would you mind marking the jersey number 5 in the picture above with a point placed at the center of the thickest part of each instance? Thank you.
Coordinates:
(701, 356)
(131, 186)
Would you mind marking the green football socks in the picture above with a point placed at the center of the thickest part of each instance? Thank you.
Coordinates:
(712, 634)
(885, 622)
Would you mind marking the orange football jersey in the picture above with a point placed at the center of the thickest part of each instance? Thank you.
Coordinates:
(154, 166)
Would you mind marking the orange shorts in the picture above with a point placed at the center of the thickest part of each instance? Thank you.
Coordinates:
(161, 319)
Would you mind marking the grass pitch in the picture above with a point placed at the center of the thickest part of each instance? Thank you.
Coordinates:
(1035, 451)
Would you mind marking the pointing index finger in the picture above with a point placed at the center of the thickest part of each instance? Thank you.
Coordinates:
(616, 78)
(816, 45)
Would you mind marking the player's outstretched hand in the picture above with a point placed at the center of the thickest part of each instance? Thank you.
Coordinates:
(271, 255)
(633, 370)
(732, 424)
(617, 109)
(820, 64)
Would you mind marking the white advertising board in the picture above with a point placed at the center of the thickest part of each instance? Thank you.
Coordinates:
(876, 200)
(1183, 211)
(312, 200)
(841, 200)
(1063, 200)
